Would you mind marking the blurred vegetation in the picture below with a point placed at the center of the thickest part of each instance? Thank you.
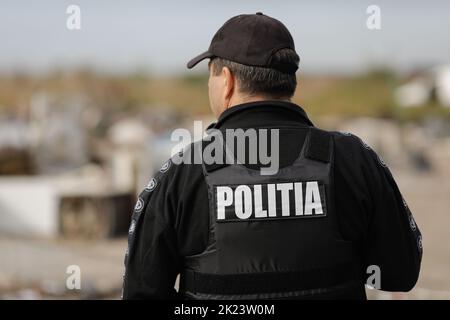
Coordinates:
(362, 95)
(369, 94)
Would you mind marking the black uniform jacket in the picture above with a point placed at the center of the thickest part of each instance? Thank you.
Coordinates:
(171, 215)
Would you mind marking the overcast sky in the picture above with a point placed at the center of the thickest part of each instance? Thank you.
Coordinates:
(161, 36)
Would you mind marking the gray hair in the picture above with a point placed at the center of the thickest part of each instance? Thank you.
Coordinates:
(260, 80)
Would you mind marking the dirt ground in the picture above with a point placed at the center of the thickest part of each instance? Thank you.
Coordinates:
(36, 268)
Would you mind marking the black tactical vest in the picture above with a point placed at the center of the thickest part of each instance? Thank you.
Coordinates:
(275, 236)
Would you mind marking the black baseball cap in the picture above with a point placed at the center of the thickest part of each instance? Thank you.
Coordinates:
(250, 39)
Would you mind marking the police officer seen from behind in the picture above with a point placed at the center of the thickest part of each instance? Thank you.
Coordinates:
(310, 230)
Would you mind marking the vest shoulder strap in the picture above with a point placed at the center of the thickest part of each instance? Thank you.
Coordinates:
(318, 145)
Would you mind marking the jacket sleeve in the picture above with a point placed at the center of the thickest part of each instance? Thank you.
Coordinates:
(393, 239)
(152, 260)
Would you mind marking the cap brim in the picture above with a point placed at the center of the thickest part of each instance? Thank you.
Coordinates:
(200, 57)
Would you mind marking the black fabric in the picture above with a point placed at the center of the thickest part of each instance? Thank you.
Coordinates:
(271, 113)
(270, 282)
(319, 146)
(370, 211)
(214, 166)
(243, 250)
(250, 39)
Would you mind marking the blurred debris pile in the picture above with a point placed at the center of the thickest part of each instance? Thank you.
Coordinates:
(420, 146)
(71, 165)
(424, 86)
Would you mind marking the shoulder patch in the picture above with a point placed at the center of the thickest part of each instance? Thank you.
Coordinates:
(151, 185)
(381, 161)
(139, 205)
(132, 227)
(166, 166)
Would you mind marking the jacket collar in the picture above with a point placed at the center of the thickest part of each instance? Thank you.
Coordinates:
(285, 106)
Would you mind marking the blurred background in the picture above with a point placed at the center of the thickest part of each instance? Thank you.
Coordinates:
(86, 116)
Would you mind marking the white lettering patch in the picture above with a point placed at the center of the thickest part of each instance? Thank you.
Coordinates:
(270, 201)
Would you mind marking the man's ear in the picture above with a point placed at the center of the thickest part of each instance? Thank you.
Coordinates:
(229, 85)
